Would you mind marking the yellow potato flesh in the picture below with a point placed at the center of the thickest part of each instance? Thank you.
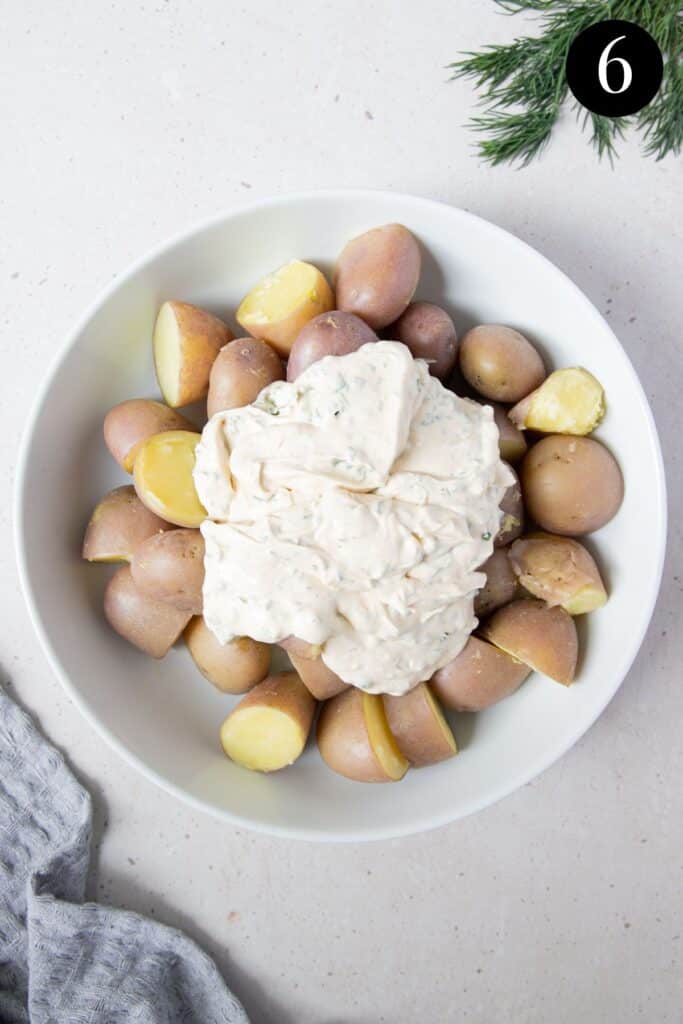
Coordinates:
(167, 353)
(163, 477)
(588, 599)
(569, 401)
(261, 738)
(383, 744)
(283, 302)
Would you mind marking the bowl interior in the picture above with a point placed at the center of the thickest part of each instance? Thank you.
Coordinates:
(163, 715)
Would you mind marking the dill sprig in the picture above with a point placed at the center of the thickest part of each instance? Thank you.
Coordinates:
(524, 86)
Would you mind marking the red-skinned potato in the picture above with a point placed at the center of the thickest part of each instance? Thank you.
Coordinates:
(572, 485)
(130, 423)
(500, 363)
(118, 525)
(354, 738)
(418, 725)
(242, 369)
(317, 677)
(430, 334)
(170, 567)
(512, 507)
(186, 342)
(501, 584)
(377, 274)
(478, 677)
(152, 626)
(558, 570)
(330, 334)
(511, 441)
(269, 727)
(234, 667)
(543, 638)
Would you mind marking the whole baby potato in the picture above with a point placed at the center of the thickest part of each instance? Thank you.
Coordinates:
(241, 370)
(170, 567)
(130, 423)
(152, 626)
(478, 677)
(501, 584)
(330, 334)
(377, 274)
(500, 363)
(572, 485)
(430, 334)
(233, 667)
(512, 507)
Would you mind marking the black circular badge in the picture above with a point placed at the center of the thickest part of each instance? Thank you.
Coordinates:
(614, 68)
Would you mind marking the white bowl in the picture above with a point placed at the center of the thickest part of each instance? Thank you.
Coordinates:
(161, 716)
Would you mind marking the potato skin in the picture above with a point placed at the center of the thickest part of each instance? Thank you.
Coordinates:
(118, 525)
(152, 626)
(543, 638)
(501, 584)
(199, 336)
(170, 567)
(430, 334)
(343, 739)
(572, 485)
(130, 423)
(478, 677)
(511, 441)
(558, 570)
(330, 334)
(420, 736)
(512, 507)
(317, 677)
(234, 667)
(377, 274)
(281, 333)
(242, 369)
(500, 363)
(300, 648)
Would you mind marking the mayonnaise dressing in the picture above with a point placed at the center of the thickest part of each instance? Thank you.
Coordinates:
(351, 508)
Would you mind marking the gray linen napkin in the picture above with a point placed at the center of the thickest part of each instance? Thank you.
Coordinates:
(63, 961)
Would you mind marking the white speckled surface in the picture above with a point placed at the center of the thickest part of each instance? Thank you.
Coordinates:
(124, 123)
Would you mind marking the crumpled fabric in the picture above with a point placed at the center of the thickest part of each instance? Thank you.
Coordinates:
(65, 961)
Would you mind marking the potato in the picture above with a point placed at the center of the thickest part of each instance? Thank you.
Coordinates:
(242, 369)
(317, 677)
(501, 584)
(170, 567)
(512, 507)
(354, 738)
(330, 334)
(300, 648)
(151, 625)
(500, 363)
(186, 343)
(569, 401)
(478, 677)
(559, 570)
(543, 638)
(233, 667)
(418, 725)
(163, 477)
(511, 441)
(130, 423)
(279, 306)
(571, 485)
(118, 525)
(269, 727)
(430, 334)
(377, 274)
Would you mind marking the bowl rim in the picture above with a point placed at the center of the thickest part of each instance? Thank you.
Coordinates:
(418, 824)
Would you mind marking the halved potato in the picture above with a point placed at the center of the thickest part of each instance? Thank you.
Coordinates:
(560, 571)
(163, 477)
(512, 520)
(152, 626)
(279, 306)
(268, 729)
(501, 584)
(233, 667)
(543, 638)
(186, 342)
(418, 725)
(511, 441)
(118, 525)
(570, 401)
(317, 677)
(354, 738)
(300, 648)
(478, 677)
(170, 567)
(130, 423)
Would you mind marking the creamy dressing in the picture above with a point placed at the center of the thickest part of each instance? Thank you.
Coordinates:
(351, 508)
